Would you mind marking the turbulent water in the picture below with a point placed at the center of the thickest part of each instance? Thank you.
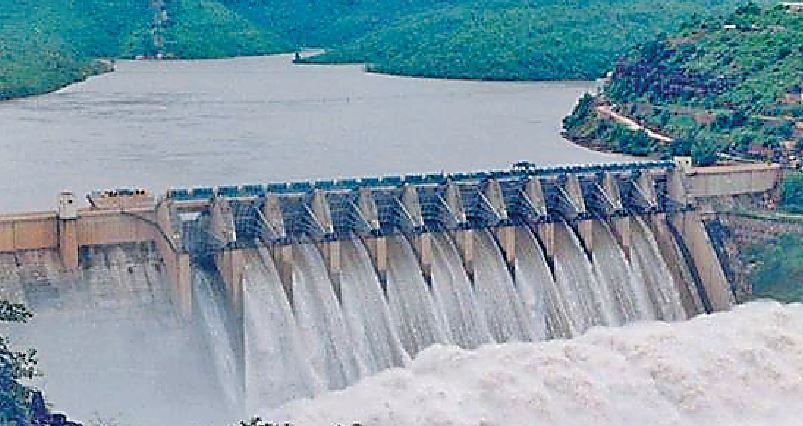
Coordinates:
(353, 330)
(464, 319)
(275, 367)
(743, 367)
(110, 343)
(322, 333)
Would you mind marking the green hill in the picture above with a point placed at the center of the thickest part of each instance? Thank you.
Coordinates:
(517, 40)
(729, 85)
(49, 43)
(203, 29)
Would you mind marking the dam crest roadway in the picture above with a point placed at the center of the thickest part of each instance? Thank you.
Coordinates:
(219, 223)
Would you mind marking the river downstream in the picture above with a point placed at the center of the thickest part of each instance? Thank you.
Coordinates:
(183, 123)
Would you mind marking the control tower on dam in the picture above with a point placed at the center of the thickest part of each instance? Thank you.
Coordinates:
(466, 258)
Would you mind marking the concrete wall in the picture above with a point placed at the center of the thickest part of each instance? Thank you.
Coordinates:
(99, 227)
(694, 236)
(28, 232)
(722, 181)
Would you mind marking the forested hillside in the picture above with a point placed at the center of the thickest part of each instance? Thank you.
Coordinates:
(518, 40)
(46, 44)
(731, 85)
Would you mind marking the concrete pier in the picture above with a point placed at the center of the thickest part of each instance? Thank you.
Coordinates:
(191, 225)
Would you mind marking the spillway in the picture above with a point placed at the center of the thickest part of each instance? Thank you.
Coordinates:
(334, 335)
(275, 367)
(411, 303)
(321, 322)
(374, 336)
(212, 318)
(457, 300)
(503, 306)
(261, 295)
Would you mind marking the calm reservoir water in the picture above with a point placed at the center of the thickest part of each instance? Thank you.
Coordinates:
(183, 123)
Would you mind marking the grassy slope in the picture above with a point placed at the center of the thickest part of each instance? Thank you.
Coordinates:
(330, 23)
(760, 61)
(202, 29)
(779, 269)
(45, 45)
(518, 39)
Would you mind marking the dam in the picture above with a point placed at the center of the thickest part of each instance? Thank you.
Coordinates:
(301, 287)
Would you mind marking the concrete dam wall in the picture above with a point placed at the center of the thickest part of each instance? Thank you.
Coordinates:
(306, 286)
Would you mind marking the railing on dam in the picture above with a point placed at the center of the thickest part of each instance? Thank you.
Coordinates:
(215, 218)
(519, 171)
(215, 223)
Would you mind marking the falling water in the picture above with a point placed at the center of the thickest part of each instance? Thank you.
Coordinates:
(367, 312)
(655, 274)
(460, 310)
(212, 317)
(503, 307)
(275, 368)
(577, 285)
(411, 305)
(538, 290)
(628, 293)
(320, 320)
(297, 347)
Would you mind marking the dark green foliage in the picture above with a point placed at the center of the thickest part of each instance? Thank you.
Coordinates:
(202, 29)
(516, 40)
(718, 87)
(45, 44)
(779, 269)
(792, 195)
(48, 44)
(704, 151)
(14, 366)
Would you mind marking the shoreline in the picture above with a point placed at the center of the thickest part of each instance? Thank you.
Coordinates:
(96, 68)
(100, 67)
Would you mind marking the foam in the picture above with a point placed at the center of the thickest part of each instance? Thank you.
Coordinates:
(743, 367)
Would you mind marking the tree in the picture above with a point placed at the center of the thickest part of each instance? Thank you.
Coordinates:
(15, 366)
(792, 197)
(704, 151)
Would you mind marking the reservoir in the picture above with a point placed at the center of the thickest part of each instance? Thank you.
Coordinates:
(111, 345)
(262, 119)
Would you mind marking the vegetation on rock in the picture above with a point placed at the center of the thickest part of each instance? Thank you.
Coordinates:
(727, 85)
(778, 273)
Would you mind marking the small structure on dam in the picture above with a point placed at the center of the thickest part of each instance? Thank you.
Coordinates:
(389, 265)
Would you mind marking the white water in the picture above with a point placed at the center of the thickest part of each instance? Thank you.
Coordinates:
(410, 301)
(320, 320)
(743, 367)
(367, 312)
(275, 368)
(655, 273)
(577, 285)
(503, 307)
(628, 292)
(212, 315)
(369, 329)
(537, 288)
(455, 297)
